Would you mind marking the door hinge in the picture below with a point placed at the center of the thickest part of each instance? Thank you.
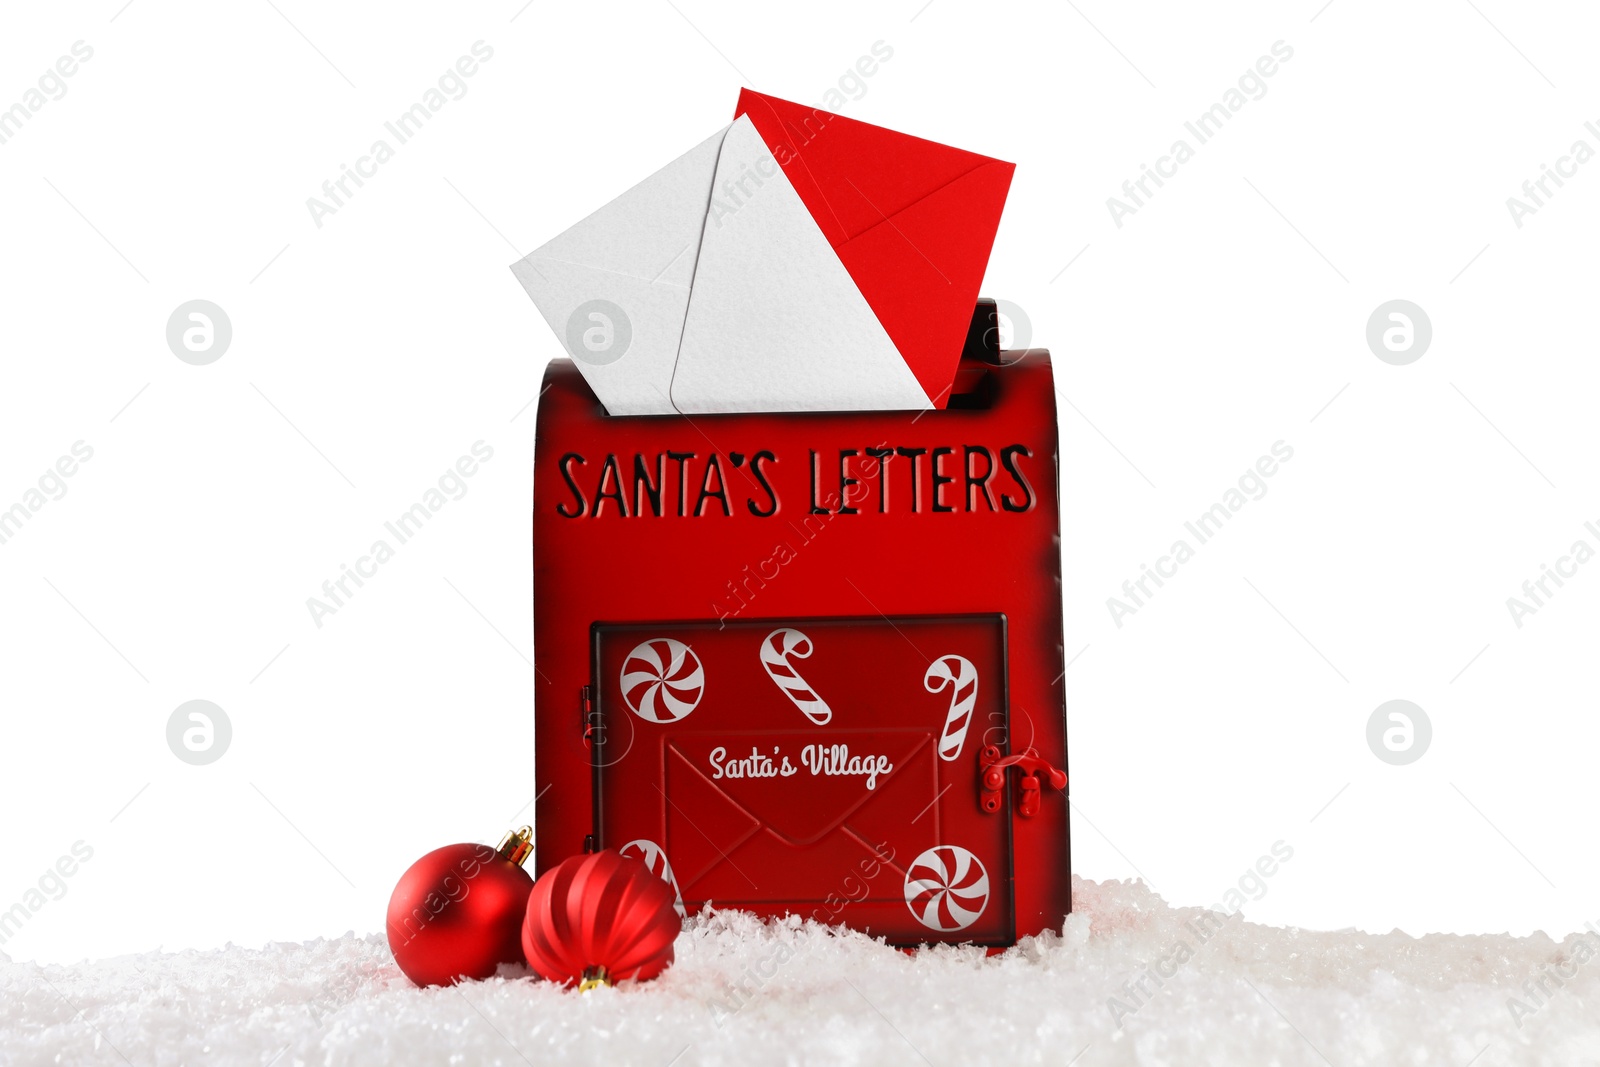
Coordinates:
(587, 719)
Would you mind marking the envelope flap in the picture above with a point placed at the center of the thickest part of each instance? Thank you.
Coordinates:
(947, 255)
(615, 287)
(652, 230)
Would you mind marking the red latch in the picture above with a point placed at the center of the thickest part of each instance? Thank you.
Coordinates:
(992, 779)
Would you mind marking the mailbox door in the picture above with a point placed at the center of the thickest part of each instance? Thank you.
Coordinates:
(825, 767)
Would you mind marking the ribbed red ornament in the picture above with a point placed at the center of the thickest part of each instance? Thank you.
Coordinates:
(598, 919)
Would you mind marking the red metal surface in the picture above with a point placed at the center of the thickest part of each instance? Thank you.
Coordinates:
(890, 540)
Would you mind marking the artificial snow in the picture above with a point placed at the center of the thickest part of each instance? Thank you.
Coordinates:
(1128, 980)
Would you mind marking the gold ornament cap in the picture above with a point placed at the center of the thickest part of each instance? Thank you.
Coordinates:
(594, 978)
(517, 845)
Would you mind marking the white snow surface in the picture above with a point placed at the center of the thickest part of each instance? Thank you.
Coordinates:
(743, 992)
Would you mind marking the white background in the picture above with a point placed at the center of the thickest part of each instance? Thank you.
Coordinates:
(368, 354)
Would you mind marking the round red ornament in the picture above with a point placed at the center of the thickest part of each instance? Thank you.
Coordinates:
(457, 912)
(598, 919)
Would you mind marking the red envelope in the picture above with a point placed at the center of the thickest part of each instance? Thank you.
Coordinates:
(912, 221)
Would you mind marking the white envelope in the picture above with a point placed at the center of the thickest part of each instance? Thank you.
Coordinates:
(615, 287)
(670, 302)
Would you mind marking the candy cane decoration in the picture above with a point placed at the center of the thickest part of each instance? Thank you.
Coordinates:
(958, 675)
(655, 857)
(947, 888)
(776, 648)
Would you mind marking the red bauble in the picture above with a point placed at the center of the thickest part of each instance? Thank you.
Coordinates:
(599, 919)
(457, 912)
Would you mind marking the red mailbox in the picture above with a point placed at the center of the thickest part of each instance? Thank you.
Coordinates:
(811, 663)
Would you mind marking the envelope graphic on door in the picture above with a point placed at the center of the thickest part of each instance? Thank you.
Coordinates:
(812, 830)
(796, 260)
